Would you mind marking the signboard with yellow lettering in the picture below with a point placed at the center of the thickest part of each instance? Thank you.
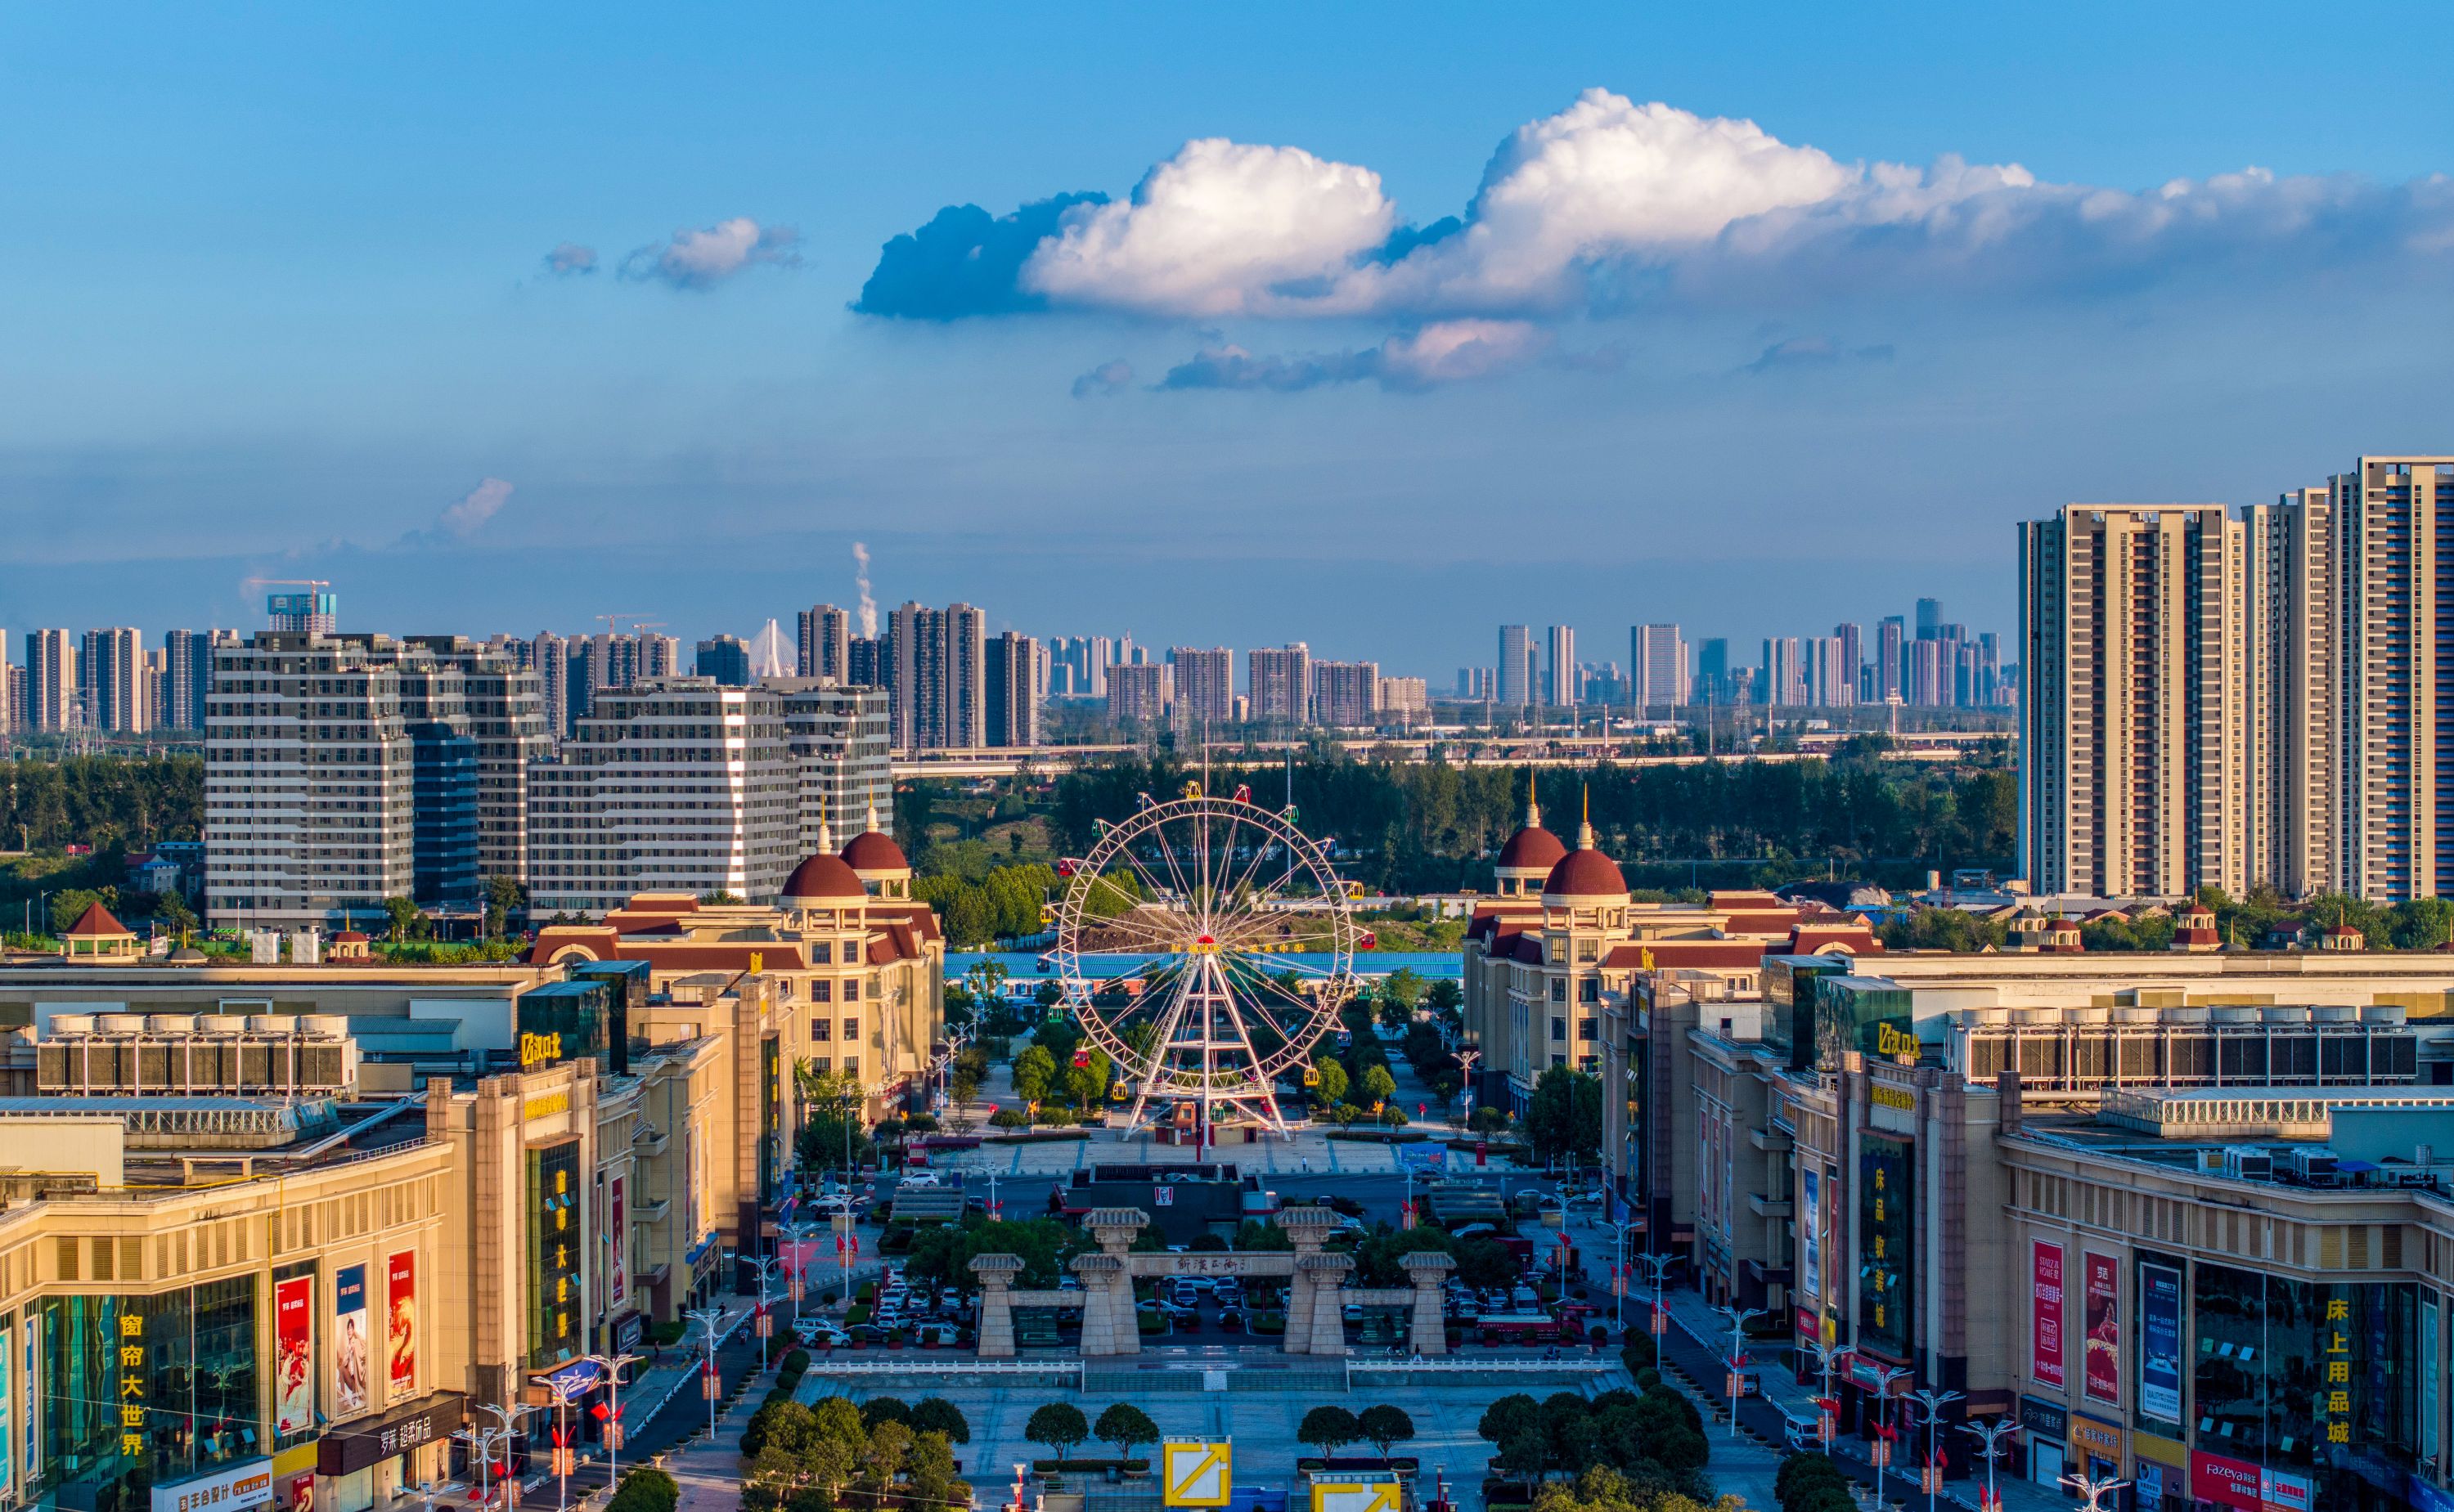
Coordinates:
(1355, 1496)
(1887, 1258)
(1195, 1472)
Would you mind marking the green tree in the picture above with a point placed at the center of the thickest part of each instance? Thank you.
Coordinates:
(838, 1418)
(505, 897)
(1328, 1428)
(1034, 1070)
(405, 918)
(1379, 1085)
(1385, 1427)
(1482, 1261)
(930, 1478)
(1565, 1115)
(644, 1489)
(1331, 1088)
(68, 907)
(942, 1253)
(1086, 1083)
(1058, 1425)
(1124, 1425)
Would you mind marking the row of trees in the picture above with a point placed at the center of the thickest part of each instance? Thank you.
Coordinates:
(1430, 827)
(95, 800)
(1653, 1438)
(2245, 924)
(879, 1454)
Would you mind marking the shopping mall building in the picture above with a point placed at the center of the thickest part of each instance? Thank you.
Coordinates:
(272, 1231)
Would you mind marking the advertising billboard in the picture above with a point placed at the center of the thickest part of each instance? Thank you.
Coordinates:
(2159, 1343)
(293, 1354)
(1812, 1286)
(2100, 1320)
(350, 1382)
(618, 1266)
(2045, 1313)
(400, 1322)
(1886, 1269)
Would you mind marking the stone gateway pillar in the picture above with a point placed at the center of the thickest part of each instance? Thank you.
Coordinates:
(1429, 1332)
(996, 1274)
(1322, 1277)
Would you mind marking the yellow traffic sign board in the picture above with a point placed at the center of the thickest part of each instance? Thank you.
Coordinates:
(1195, 1472)
(1355, 1496)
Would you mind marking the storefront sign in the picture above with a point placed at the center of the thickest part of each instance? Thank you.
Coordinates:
(2245, 1487)
(2151, 1485)
(628, 1333)
(2045, 1313)
(400, 1328)
(2427, 1498)
(362, 1445)
(2160, 1344)
(2100, 1364)
(293, 1354)
(2278, 1491)
(302, 1492)
(228, 1490)
(2045, 1419)
(617, 1233)
(1894, 1097)
(349, 1383)
(2099, 1439)
(1887, 1206)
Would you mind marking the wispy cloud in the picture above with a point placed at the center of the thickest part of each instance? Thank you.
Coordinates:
(1107, 378)
(475, 508)
(571, 259)
(1446, 352)
(1813, 351)
(704, 258)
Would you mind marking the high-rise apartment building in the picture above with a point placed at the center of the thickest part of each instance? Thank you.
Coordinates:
(725, 658)
(2131, 743)
(1561, 686)
(1403, 699)
(315, 611)
(1891, 659)
(502, 709)
(1138, 695)
(1475, 683)
(1929, 619)
(549, 655)
(675, 785)
(1658, 667)
(189, 677)
(1785, 672)
(2293, 716)
(1712, 671)
(1516, 684)
(837, 736)
(1017, 683)
(1929, 677)
(1205, 688)
(1278, 680)
(938, 673)
(111, 681)
(52, 695)
(1346, 695)
(824, 642)
(2393, 520)
(871, 666)
(12, 718)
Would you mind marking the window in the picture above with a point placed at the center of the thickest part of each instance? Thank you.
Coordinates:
(1559, 989)
(852, 1028)
(822, 992)
(1558, 1060)
(1584, 1028)
(852, 1066)
(851, 989)
(1589, 990)
(819, 1030)
(822, 954)
(819, 1062)
(1586, 949)
(1558, 1031)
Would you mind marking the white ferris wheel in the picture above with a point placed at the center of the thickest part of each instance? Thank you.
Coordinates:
(1206, 946)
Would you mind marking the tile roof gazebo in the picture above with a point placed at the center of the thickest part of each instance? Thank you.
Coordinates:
(100, 938)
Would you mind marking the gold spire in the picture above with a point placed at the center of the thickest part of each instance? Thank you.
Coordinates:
(1585, 828)
(826, 840)
(1533, 805)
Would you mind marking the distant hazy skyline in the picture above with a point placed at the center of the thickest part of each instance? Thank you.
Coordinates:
(1370, 326)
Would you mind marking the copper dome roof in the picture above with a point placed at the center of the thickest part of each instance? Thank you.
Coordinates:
(1584, 874)
(872, 851)
(1532, 848)
(820, 878)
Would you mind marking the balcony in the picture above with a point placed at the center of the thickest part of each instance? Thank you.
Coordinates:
(1772, 1141)
(1763, 1207)
(651, 1212)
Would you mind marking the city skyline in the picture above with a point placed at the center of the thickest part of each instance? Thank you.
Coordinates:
(698, 380)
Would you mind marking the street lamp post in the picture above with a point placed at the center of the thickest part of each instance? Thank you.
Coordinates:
(1659, 1265)
(563, 1392)
(1740, 1318)
(1619, 1270)
(1465, 1087)
(612, 1367)
(1827, 1356)
(765, 1265)
(481, 1442)
(707, 1320)
(1887, 1377)
(2092, 1490)
(1930, 1405)
(1992, 1434)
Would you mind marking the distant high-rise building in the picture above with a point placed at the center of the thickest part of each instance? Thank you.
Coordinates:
(314, 611)
(1016, 678)
(549, 655)
(660, 656)
(1403, 699)
(1785, 672)
(111, 680)
(189, 658)
(867, 663)
(12, 698)
(1475, 683)
(1852, 637)
(1138, 695)
(2131, 772)
(725, 658)
(1279, 682)
(1712, 671)
(1205, 687)
(1831, 672)
(1930, 673)
(2291, 795)
(824, 642)
(51, 700)
(1929, 618)
(1891, 659)
(1346, 695)
(1516, 682)
(939, 676)
(1561, 686)
(1658, 664)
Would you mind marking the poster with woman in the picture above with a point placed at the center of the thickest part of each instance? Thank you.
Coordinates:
(400, 1320)
(349, 1340)
(2103, 1367)
(293, 1354)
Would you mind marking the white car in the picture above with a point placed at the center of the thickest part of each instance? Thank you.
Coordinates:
(921, 1179)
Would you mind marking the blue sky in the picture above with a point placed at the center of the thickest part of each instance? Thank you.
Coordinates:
(279, 304)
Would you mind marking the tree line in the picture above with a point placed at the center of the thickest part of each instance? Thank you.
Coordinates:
(1409, 827)
(95, 800)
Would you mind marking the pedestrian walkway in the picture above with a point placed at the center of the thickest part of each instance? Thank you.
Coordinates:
(708, 1470)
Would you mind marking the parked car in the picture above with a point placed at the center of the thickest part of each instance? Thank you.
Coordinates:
(934, 1336)
(1180, 1313)
(920, 1179)
(820, 1334)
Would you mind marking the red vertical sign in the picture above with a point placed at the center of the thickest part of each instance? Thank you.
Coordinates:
(400, 1279)
(2046, 1310)
(2101, 1319)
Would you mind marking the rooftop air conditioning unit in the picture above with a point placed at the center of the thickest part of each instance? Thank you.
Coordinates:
(2247, 1163)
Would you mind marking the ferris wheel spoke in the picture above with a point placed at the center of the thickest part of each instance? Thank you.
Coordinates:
(1259, 983)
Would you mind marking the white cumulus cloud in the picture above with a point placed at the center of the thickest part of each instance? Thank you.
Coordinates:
(475, 507)
(704, 258)
(1221, 228)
